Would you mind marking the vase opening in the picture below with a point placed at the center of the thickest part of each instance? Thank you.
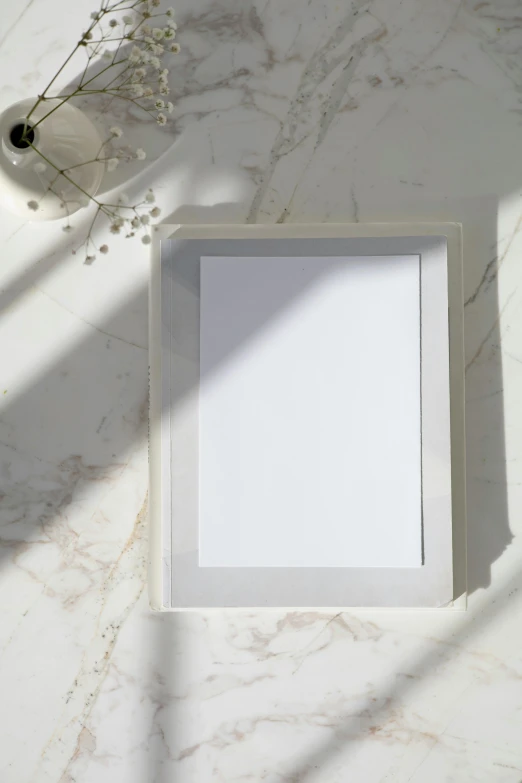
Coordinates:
(21, 136)
(38, 142)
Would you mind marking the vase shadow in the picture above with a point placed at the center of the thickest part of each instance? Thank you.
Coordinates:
(140, 128)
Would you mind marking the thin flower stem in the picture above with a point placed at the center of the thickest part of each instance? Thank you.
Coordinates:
(136, 103)
(68, 59)
(67, 98)
(104, 10)
(119, 75)
(125, 158)
(90, 56)
(119, 206)
(42, 96)
(72, 95)
(108, 40)
(102, 145)
(62, 172)
(91, 227)
(85, 163)
(113, 92)
(111, 65)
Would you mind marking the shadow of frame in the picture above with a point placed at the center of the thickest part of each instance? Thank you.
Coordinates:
(488, 529)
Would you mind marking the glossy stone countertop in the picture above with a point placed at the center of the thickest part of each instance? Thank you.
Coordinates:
(296, 111)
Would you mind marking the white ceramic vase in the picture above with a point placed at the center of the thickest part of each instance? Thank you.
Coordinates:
(66, 138)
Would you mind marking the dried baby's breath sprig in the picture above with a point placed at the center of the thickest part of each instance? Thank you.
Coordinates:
(125, 219)
(129, 38)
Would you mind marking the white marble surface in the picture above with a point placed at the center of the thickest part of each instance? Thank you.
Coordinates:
(322, 110)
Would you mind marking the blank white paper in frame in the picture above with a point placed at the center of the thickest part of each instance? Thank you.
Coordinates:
(310, 412)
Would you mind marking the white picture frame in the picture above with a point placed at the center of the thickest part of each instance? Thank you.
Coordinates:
(176, 579)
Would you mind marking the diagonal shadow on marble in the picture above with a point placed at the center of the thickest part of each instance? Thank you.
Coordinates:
(325, 117)
(66, 412)
(355, 725)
